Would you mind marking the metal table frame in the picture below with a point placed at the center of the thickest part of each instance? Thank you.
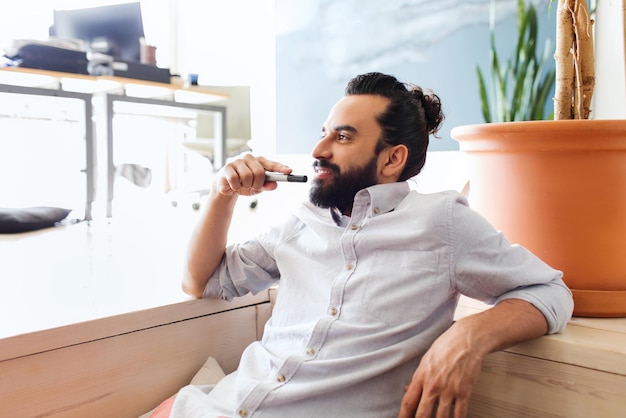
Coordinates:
(219, 113)
(89, 131)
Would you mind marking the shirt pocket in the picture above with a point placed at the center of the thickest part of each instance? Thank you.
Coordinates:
(403, 286)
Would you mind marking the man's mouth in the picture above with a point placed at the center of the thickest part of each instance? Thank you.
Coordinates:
(323, 172)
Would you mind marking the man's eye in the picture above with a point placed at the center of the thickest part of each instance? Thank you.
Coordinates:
(342, 137)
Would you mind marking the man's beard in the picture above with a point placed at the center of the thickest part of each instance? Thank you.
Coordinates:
(343, 187)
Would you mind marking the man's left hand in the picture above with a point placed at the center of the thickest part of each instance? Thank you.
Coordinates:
(442, 384)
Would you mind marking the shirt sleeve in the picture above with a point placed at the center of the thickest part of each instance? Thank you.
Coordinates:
(245, 268)
(248, 267)
(486, 266)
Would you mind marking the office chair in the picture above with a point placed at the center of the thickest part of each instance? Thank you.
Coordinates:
(205, 147)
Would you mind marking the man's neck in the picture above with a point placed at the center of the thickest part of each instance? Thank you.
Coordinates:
(336, 214)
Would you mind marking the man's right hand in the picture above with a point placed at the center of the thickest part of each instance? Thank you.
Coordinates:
(246, 176)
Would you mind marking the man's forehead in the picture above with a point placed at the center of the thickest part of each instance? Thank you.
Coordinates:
(355, 110)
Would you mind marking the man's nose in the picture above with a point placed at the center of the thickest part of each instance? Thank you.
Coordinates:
(322, 149)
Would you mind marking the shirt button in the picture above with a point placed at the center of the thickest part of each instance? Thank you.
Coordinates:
(332, 311)
(243, 412)
(376, 211)
(310, 351)
(348, 266)
(280, 378)
(354, 227)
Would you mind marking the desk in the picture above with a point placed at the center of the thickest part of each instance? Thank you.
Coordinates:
(219, 127)
(115, 89)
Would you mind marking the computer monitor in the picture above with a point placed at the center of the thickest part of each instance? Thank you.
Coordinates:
(117, 26)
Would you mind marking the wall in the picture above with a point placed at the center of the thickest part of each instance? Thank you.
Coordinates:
(231, 43)
(609, 100)
(436, 44)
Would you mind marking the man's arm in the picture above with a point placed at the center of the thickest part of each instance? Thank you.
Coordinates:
(446, 375)
(244, 176)
(208, 242)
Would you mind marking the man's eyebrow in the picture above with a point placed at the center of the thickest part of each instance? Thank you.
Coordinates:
(348, 128)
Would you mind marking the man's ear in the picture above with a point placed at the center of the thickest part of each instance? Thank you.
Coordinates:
(394, 160)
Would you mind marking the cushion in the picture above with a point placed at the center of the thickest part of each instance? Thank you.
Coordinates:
(164, 409)
(210, 373)
(14, 220)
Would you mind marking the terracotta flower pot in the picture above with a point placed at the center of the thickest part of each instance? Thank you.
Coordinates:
(559, 189)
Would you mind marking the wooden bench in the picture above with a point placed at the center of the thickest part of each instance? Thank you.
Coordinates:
(580, 373)
(125, 365)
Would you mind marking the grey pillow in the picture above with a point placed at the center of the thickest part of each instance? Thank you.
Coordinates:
(14, 220)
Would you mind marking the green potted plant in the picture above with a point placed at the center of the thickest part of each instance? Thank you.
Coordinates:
(520, 88)
(558, 187)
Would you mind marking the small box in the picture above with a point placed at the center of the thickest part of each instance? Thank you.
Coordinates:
(137, 70)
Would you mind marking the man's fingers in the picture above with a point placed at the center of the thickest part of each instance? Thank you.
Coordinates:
(274, 166)
(444, 409)
(460, 410)
(427, 408)
(410, 401)
(246, 175)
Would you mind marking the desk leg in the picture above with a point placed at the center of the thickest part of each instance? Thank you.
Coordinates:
(110, 165)
(90, 147)
(219, 133)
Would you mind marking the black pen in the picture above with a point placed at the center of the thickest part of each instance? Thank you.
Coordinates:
(292, 178)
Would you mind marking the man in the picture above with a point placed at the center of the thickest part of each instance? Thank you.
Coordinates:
(370, 273)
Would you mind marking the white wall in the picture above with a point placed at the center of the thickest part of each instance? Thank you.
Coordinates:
(231, 43)
(609, 101)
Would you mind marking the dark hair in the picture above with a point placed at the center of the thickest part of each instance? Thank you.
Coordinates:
(409, 119)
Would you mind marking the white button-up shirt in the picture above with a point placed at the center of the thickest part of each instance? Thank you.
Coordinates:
(361, 299)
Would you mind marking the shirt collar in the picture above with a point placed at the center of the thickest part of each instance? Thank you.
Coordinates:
(377, 200)
(382, 198)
